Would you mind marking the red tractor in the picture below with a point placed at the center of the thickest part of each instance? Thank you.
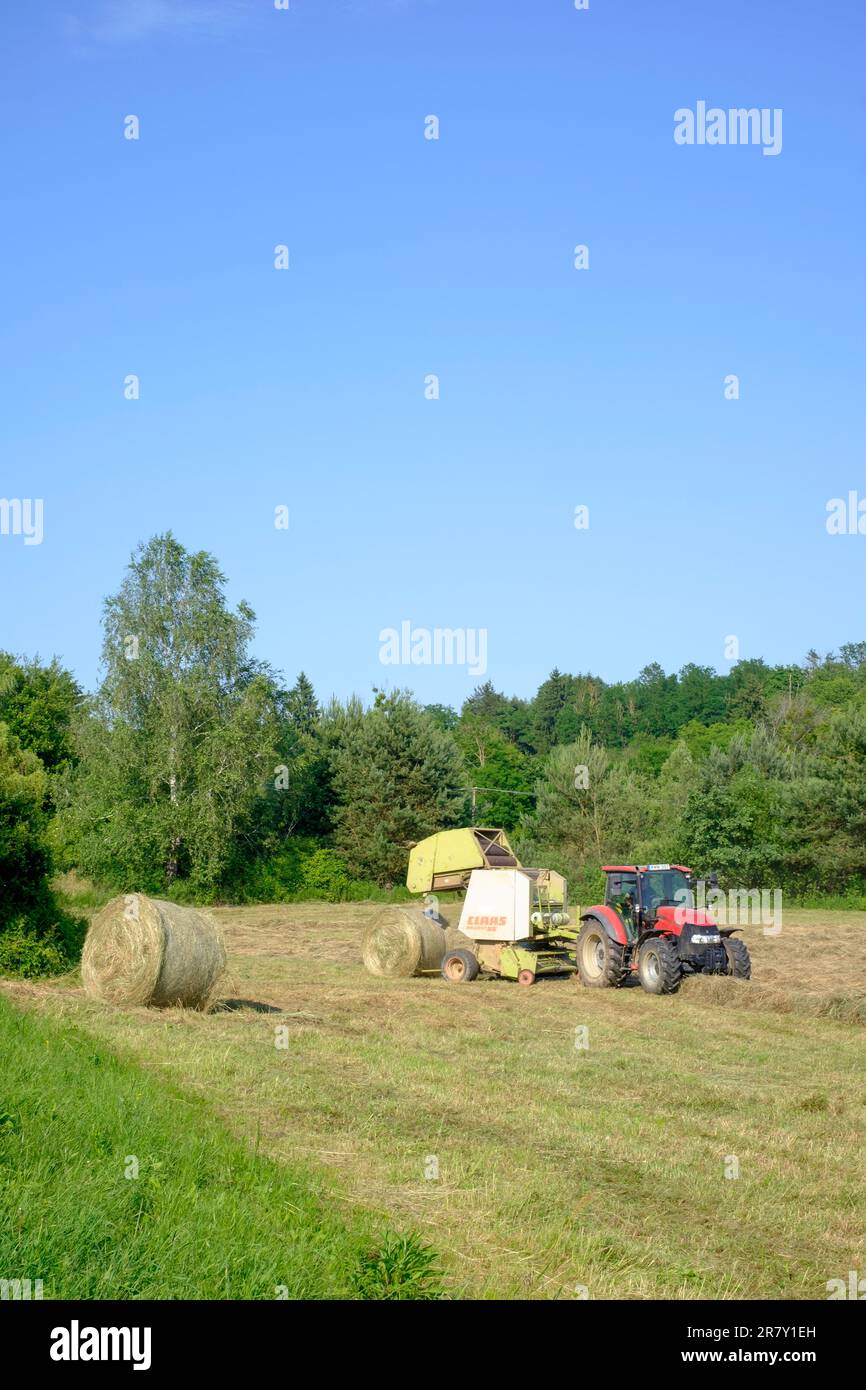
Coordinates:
(649, 926)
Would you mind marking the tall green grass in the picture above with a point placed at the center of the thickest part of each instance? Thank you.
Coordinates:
(205, 1217)
(852, 901)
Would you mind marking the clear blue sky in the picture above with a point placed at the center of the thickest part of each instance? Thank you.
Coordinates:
(408, 257)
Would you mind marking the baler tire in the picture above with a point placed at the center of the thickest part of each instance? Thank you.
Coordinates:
(459, 967)
(599, 958)
(526, 977)
(659, 967)
(739, 960)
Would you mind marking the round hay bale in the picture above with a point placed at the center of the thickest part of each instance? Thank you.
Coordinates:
(456, 941)
(403, 941)
(142, 950)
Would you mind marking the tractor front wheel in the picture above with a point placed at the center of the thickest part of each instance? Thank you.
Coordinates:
(599, 959)
(658, 966)
(739, 960)
(459, 967)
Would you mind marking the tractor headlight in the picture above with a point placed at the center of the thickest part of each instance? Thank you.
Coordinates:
(706, 940)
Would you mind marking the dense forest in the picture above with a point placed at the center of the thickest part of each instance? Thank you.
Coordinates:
(197, 771)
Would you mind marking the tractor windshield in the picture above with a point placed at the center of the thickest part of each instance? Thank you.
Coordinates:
(665, 888)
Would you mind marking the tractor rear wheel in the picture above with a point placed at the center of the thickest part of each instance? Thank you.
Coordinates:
(658, 966)
(599, 958)
(459, 967)
(739, 960)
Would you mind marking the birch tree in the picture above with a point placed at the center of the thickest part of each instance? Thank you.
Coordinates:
(182, 738)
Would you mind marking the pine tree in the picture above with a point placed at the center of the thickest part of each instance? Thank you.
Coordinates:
(302, 705)
(398, 778)
(554, 696)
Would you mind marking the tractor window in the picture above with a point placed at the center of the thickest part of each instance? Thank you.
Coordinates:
(622, 895)
(666, 888)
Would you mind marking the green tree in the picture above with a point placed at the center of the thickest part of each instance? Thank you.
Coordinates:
(549, 707)
(677, 780)
(647, 754)
(398, 778)
(302, 707)
(732, 821)
(299, 801)
(36, 936)
(486, 703)
(825, 820)
(853, 654)
(655, 697)
(443, 716)
(183, 736)
(511, 716)
(700, 695)
(494, 761)
(592, 808)
(24, 857)
(752, 684)
(38, 704)
(700, 738)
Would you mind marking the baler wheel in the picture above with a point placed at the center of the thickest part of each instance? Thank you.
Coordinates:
(459, 967)
(739, 960)
(526, 977)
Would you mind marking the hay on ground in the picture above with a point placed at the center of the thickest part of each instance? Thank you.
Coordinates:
(142, 950)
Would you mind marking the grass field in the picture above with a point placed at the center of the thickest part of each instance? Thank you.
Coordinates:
(117, 1185)
(537, 1168)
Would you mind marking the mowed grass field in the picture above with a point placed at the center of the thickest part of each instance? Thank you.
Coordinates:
(114, 1184)
(536, 1167)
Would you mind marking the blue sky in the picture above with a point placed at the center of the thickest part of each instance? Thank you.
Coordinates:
(409, 257)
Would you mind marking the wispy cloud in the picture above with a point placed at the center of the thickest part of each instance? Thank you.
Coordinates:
(126, 21)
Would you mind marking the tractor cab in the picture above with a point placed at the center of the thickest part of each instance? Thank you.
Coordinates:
(648, 925)
(642, 894)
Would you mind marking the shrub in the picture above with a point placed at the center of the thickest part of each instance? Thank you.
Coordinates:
(24, 858)
(27, 955)
(36, 936)
(324, 876)
(274, 877)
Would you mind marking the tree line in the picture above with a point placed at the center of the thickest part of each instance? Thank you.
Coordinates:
(197, 771)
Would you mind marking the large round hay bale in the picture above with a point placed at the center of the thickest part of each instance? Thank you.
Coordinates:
(456, 941)
(142, 950)
(403, 941)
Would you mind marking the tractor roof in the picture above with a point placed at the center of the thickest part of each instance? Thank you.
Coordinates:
(640, 868)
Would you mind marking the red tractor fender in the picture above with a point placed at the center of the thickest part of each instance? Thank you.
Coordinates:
(607, 918)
